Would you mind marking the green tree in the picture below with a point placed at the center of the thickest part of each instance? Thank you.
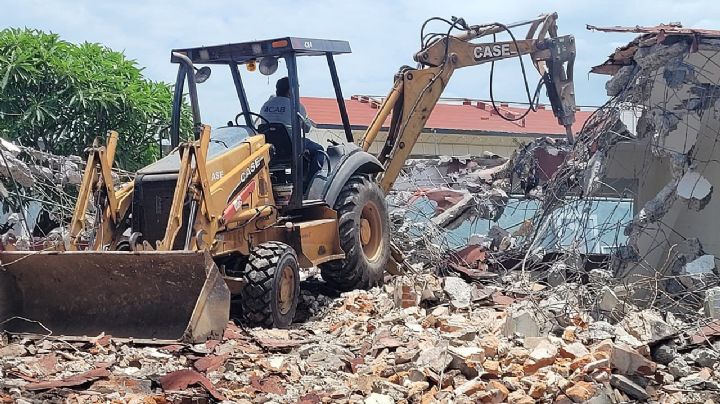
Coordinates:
(59, 96)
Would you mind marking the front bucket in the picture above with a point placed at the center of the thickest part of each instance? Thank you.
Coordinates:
(152, 295)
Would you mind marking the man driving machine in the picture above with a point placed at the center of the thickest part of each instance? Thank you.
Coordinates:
(277, 110)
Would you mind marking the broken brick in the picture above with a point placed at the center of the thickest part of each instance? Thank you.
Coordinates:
(498, 391)
(182, 379)
(628, 362)
(543, 355)
(537, 390)
(70, 381)
(581, 392)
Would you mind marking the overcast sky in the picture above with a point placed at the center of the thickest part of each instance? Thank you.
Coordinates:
(383, 35)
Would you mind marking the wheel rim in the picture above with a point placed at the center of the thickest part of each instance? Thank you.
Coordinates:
(287, 289)
(371, 231)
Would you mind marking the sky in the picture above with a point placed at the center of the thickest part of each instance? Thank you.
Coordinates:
(382, 34)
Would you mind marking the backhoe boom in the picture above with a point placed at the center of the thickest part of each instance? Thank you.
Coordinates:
(416, 91)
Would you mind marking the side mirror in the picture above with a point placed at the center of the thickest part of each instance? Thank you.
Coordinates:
(202, 74)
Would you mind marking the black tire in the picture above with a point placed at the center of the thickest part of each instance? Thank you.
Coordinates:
(261, 299)
(358, 270)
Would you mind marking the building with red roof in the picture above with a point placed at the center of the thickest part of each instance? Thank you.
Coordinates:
(456, 127)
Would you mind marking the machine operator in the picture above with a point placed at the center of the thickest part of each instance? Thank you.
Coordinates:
(277, 110)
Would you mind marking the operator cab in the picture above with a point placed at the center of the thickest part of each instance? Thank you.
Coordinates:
(290, 162)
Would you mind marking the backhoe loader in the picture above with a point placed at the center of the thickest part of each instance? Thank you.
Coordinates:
(226, 220)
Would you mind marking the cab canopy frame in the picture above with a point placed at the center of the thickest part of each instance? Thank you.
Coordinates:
(235, 54)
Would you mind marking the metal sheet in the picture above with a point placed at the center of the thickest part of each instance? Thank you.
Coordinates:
(177, 295)
(658, 29)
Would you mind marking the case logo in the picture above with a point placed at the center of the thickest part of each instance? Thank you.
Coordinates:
(253, 168)
(492, 51)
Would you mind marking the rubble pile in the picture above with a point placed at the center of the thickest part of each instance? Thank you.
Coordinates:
(433, 197)
(419, 339)
(27, 166)
(32, 181)
(436, 204)
(39, 189)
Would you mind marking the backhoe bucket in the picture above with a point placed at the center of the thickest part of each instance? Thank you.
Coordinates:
(146, 296)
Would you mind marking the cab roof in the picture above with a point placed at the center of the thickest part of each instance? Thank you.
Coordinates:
(246, 51)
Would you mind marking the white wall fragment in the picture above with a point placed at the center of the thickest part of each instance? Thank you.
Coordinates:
(712, 303)
(704, 264)
(696, 189)
(12, 148)
(629, 115)
(693, 186)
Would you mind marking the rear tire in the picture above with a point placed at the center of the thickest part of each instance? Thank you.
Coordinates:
(364, 236)
(270, 295)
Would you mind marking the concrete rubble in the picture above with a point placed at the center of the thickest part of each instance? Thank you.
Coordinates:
(31, 182)
(29, 166)
(460, 188)
(363, 346)
(38, 189)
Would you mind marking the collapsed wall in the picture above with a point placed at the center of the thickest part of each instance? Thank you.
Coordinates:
(654, 142)
(38, 191)
(33, 182)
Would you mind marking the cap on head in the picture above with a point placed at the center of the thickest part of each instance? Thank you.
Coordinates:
(282, 87)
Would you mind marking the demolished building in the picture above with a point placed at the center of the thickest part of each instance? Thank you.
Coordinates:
(38, 191)
(654, 142)
(633, 195)
(31, 182)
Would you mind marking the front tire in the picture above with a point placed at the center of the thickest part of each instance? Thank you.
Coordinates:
(270, 295)
(364, 236)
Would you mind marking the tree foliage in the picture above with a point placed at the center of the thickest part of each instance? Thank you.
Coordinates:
(59, 96)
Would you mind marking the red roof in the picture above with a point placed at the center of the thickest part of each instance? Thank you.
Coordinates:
(471, 116)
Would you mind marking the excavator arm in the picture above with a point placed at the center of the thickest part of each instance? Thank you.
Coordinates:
(416, 91)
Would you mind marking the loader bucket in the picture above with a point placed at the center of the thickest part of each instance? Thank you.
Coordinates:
(146, 296)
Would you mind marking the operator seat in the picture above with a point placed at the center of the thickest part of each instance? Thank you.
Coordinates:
(277, 135)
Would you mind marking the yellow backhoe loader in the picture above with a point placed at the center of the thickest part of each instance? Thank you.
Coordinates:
(226, 220)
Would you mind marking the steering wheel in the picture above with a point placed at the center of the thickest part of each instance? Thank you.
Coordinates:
(250, 114)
